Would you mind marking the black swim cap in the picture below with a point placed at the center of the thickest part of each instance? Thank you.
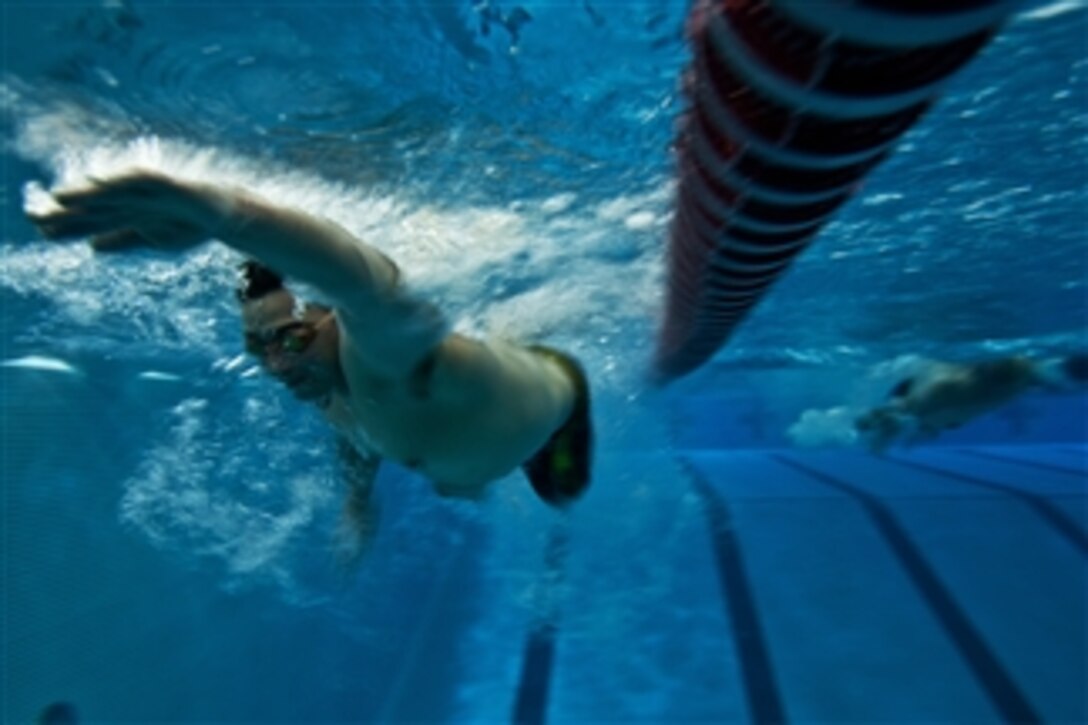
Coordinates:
(256, 281)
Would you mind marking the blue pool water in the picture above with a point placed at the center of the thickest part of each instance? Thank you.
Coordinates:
(167, 511)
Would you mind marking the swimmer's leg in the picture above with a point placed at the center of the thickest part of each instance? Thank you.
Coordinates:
(560, 471)
(1062, 374)
(1075, 368)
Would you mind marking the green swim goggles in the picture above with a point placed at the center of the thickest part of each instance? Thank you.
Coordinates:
(294, 338)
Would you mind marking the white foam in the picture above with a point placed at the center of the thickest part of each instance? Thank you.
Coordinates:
(833, 427)
(641, 220)
(194, 494)
(558, 203)
(1053, 10)
(39, 362)
(156, 376)
(521, 270)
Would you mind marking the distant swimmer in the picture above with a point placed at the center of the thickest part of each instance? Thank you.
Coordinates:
(380, 363)
(947, 395)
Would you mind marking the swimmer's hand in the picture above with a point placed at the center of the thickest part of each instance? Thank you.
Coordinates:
(139, 209)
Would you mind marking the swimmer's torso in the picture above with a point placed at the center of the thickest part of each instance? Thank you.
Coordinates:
(461, 425)
(955, 396)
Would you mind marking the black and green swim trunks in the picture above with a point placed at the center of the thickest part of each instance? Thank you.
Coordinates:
(560, 471)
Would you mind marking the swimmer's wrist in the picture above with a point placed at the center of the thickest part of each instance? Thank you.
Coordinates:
(227, 211)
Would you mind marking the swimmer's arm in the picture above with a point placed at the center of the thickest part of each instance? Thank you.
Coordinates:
(149, 209)
(389, 331)
(318, 251)
(359, 519)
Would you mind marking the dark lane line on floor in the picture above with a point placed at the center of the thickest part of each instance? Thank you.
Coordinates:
(760, 685)
(538, 661)
(1006, 696)
(1062, 524)
(1023, 462)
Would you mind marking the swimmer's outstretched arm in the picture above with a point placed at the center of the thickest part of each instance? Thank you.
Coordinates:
(149, 209)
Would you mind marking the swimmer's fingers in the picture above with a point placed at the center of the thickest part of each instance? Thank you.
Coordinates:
(74, 223)
(138, 188)
(146, 197)
(120, 230)
(136, 209)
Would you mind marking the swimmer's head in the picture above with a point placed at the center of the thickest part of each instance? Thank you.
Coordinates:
(297, 342)
(256, 281)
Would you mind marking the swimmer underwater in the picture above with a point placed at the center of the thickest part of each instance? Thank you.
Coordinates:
(380, 364)
(948, 395)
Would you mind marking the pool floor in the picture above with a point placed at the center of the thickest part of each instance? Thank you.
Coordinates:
(940, 584)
